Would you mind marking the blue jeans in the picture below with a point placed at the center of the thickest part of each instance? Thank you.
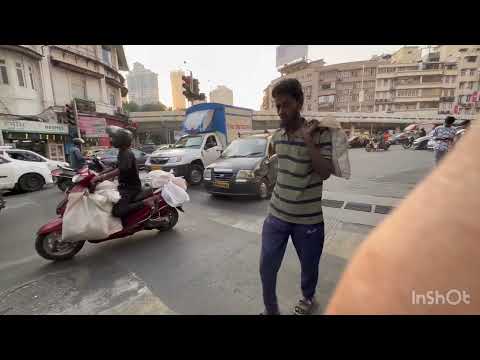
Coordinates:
(308, 242)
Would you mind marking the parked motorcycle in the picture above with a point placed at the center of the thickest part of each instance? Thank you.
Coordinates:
(50, 246)
(374, 145)
(421, 143)
(408, 142)
(63, 175)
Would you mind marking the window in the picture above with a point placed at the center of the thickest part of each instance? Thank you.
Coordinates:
(309, 107)
(470, 85)
(3, 73)
(107, 56)
(471, 58)
(79, 88)
(407, 93)
(463, 72)
(30, 73)
(211, 142)
(25, 156)
(472, 72)
(308, 92)
(462, 85)
(21, 80)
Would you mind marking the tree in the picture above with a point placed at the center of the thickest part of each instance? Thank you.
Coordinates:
(130, 107)
(153, 107)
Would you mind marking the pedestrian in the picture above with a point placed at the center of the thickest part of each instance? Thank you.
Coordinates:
(443, 136)
(304, 153)
(386, 136)
(77, 161)
(422, 133)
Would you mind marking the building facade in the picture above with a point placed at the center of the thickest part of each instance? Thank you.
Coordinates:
(38, 81)
(442, 80)
(178, 99)
(346, 87)
(222, 95)
(142, 85)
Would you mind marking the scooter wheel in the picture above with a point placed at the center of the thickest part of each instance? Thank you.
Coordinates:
(51, 247)
(173, 219)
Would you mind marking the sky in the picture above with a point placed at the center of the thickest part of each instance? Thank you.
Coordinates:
(246, 69)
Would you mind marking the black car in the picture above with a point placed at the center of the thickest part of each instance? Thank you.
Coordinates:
(244, 168)
(109, 157)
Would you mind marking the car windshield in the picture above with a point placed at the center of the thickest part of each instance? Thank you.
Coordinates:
(189, 142)
(252, 147)
(110, 152)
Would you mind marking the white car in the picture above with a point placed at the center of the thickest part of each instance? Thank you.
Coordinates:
(29, 156)
(26, 175)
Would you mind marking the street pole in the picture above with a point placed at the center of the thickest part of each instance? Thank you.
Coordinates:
(75, 113)
(361, 90)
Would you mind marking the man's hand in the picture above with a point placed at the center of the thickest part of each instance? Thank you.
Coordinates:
(308, 130)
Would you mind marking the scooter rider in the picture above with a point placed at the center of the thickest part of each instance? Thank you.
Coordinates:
(77, 161)
(129, 184)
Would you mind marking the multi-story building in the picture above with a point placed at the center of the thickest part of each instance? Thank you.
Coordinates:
(178, 99)
(445, 80)
(338, 87)
(436, 82)
(142, 85)
(412, 82)
(222, 95)
(37, 81)
(468, 83)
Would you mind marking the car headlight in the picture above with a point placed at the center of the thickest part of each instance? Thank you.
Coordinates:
(175, 159)
(207, 174)
(245, 175)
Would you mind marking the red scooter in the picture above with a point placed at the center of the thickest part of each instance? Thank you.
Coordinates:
(50, 246)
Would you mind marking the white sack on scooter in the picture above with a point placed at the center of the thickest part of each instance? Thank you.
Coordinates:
(157, 179)
(174, 195)
(89, 216)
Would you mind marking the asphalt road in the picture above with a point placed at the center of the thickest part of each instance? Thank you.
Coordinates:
(208, 264)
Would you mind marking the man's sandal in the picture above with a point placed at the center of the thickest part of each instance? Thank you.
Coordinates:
(305, 307)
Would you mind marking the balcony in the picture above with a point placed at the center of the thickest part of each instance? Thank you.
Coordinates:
(465, 91)
(322, 92)
(415, 99)
(447, 98)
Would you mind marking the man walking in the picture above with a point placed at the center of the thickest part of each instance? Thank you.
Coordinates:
(304, 153)
(443, 136)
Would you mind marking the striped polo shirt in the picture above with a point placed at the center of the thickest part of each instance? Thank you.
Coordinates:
(297, 196)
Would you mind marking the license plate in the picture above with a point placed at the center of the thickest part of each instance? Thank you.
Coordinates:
(156, 167)
(221, 184)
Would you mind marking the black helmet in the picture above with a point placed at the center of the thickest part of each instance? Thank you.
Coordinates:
(78, 141)
(120, 137)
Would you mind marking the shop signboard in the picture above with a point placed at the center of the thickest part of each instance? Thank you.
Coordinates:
(33, 127)
(92, 127)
